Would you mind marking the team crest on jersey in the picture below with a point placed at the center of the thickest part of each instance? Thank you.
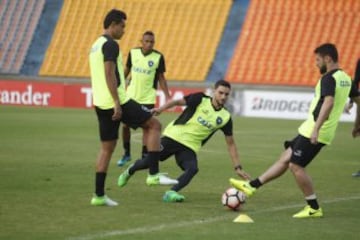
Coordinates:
(219, 120)
(151, 63)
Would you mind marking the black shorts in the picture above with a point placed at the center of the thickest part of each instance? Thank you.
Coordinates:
(184, 156)
(108, 129)
(134, 114)
(303, 151)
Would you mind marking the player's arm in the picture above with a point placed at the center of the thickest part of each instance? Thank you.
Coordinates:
(324, 114)
(356, 129)
(127, 71)
(111, 52)
(164, 86)
(328, 85)
(227, 129)
(191, 100)
(161, 78)
(235, 157)
(169, 104)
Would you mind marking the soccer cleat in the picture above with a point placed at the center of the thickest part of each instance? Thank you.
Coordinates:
(243, 186)
(103, 201)
(124, 177)
(160, 179)
(309, 212)
(172, 196)
(124, 160)
(357, 174)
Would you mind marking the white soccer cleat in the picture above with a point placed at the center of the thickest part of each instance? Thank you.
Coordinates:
(103, 201)
(160, 179)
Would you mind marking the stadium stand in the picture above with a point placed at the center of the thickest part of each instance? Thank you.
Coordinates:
(187, 33)
(278, 38)
(16, 31)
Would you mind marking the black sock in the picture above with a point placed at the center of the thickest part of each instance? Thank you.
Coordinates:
(144, 151)
(100, 184)
(255, 183)
(153, 162)
(313, 203)
(126, 146)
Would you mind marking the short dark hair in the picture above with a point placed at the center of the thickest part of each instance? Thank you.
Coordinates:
(150, 33)
(327, 49)
(222, 82)
(114, 15)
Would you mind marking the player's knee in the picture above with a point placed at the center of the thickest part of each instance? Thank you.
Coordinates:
(193, 171)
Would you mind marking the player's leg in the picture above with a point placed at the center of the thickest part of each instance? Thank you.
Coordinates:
(186, 159)
(142, 163)
(273, 172)
(304, 153)
(144, 150)
(108, 135)
(126, 137)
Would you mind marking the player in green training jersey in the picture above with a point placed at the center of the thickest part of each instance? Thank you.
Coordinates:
(331, 93)
(112, 105)
(356, 82)
(184, 137)
(146, 66)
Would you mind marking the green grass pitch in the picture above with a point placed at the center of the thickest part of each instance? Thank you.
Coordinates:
(47, 159)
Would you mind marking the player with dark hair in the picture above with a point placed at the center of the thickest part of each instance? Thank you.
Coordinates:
(331, 93)
(146, 67)
(356, 83)
(112, 105)
(184, 137)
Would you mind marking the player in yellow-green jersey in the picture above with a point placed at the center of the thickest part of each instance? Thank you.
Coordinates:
(184, 137)
(112, 105)
(331, 93)
(146, 66)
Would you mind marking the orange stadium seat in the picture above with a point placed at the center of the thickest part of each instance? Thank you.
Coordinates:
(278, 37)
(187, 33)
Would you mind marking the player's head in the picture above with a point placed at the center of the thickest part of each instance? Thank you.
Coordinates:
(221, 92)
(326, 54)
(148, 41)
(114, 23)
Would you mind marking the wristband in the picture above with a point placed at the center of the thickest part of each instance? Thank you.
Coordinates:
(238, 167)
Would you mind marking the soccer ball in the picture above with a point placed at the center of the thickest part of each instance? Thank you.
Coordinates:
(233, 198)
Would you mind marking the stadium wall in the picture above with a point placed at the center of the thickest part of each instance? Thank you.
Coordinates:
(247, 102)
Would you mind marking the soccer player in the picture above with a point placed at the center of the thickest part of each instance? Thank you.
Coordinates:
(147, 68)
(356, 82)
(112, 105)
(331, 93)
(184, 137)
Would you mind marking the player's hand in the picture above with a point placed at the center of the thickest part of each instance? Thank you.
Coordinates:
(243, 174)
(356, 132)
(117, 113)
(155, 111)
(314, 137)
(348, 107)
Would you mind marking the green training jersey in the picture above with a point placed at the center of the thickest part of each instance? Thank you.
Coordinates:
(106, 49)
(198, 122)
(144, 75)
(335, 83)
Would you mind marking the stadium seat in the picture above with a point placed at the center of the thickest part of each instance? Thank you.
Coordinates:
(18, 22)
(278, 38)
(187, 33)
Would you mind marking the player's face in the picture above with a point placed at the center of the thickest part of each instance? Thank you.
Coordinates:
(320, 63)
(119, 30)
(148, 42)
(221, 95)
